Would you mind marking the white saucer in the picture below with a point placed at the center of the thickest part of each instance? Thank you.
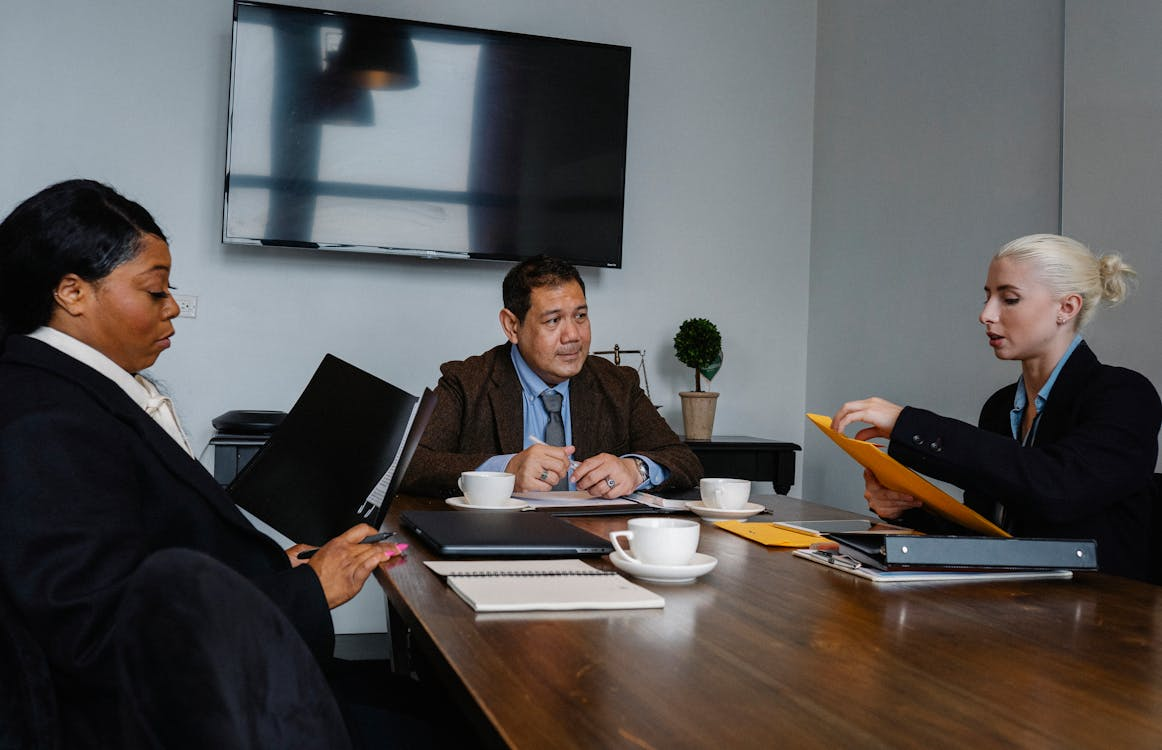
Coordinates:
(746, 511)
(460, 503)
(699, 566)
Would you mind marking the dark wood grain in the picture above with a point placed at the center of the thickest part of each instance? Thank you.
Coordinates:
(773, 651)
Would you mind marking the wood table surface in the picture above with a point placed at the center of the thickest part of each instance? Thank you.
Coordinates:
(769, 650)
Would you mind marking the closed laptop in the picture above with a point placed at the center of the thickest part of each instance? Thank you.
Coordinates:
(512, 534)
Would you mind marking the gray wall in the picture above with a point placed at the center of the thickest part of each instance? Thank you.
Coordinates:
(863, 178)
(1112, 166)
(134, 92)
(937, 139)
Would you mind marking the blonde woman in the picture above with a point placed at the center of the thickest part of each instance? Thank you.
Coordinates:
(1068, 451)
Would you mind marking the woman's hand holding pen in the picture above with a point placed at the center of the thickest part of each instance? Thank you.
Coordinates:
(344, 563)
(877, 412)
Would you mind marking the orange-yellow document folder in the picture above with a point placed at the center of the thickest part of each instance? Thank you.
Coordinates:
(770, 535)
(895, 476)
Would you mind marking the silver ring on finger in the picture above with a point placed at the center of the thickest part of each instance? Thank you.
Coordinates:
(544, 476)
(611, 483)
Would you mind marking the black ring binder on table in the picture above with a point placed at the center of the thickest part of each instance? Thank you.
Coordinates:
(912, 552)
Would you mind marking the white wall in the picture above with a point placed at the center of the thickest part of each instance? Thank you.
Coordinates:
(937, 139)
(134, 93)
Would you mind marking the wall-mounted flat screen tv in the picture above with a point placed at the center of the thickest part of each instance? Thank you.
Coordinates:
(357, 132)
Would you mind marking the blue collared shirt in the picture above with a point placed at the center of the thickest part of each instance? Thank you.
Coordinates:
(1020, 400)
(536, 418)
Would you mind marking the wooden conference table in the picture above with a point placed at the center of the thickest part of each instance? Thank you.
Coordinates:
(769, 650)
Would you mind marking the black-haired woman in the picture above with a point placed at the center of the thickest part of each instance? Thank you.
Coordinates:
(96, 476)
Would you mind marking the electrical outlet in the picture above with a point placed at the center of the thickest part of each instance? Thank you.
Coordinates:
(188, 304)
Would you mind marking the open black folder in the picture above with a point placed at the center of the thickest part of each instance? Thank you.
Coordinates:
(338, 457)
(965, 553)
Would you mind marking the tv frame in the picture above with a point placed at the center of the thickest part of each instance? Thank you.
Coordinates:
(391, 249)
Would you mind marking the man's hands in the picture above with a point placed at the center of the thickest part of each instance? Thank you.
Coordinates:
(606, 475)
(538, 468)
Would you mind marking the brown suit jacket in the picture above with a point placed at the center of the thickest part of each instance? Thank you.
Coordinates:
(479, 414)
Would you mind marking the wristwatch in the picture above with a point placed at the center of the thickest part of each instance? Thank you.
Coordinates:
(643, 471)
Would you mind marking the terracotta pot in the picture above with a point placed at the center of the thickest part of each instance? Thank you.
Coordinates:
(698, 413)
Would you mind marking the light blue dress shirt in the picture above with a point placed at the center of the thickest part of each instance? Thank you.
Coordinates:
(536, 418)
(1020, 400)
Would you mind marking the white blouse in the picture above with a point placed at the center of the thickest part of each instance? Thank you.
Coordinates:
(139, 388)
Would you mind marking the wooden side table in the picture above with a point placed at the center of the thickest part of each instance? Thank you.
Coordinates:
(744, 457)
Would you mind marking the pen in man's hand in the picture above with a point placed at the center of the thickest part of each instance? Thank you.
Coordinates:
(533, 438)
(373, 539)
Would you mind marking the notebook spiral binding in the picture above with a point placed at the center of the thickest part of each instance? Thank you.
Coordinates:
(530, 574)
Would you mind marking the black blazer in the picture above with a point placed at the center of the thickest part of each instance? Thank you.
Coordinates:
(1088, 474)
(89, 486)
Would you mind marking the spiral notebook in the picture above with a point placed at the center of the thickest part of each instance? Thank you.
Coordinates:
(530, 585)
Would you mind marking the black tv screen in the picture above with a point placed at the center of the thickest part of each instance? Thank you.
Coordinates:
(364, 133)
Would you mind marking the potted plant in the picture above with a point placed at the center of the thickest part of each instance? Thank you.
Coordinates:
(698, 344)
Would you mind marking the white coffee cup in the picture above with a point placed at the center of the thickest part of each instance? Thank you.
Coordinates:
(724, 494)
(659, 541)
(486, 487)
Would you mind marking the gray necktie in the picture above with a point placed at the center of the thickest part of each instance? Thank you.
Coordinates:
(555, 430)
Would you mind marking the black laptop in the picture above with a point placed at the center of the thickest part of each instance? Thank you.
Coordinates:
(509, 534)
(338, 457)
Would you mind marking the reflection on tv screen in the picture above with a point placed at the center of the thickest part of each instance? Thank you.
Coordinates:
(367, 133)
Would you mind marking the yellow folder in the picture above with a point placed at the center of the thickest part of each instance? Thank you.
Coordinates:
(895, 476)
(771, 535)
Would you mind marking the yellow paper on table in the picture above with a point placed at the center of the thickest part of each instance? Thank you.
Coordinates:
(895, 476)
(770, 535)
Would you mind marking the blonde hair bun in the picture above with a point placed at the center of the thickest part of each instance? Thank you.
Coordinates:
(1067, 266)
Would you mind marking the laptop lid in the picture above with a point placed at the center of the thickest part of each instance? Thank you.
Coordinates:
(514, 534)
(338, 457)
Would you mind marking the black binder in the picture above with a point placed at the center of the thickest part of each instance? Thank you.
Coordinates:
(911, 552)
(338, 457)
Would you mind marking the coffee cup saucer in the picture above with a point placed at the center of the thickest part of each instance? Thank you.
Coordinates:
(746, 511)
(461, 503)
(700, 565)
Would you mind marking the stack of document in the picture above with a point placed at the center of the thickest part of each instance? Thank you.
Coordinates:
(843, 563)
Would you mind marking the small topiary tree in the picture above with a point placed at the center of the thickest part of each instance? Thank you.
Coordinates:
(698, 344)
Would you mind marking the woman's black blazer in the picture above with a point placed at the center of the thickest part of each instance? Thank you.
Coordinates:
(1088, 474)
(89, 486)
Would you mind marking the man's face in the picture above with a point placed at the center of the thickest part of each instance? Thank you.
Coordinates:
(554, 336)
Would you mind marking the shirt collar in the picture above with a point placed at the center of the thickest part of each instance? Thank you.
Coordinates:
(86, 354)
(530, 382)
(1020, 399)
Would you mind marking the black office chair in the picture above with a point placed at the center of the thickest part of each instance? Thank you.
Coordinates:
(205, 660)
(28, 710)
(235, 671)
(1156, 532)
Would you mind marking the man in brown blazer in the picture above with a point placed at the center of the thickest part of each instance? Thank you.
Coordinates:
(490, 407)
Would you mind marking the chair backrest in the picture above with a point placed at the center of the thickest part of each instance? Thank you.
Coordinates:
(28, 710)
(1156, 532)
